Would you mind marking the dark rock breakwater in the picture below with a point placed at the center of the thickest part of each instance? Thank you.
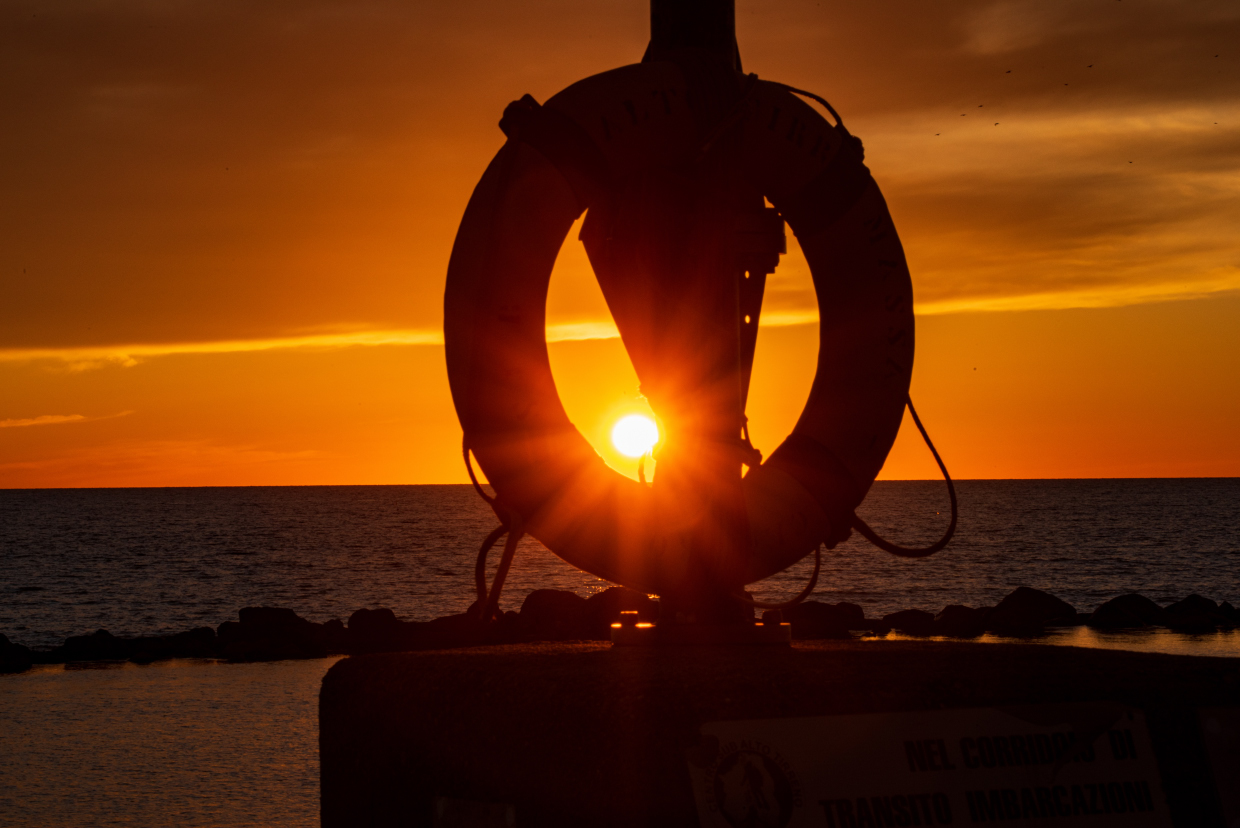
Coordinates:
(274, 633)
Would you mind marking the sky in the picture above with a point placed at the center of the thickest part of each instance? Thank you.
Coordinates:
(225, 227)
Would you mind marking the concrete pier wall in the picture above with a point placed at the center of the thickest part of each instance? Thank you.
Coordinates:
(583, 734)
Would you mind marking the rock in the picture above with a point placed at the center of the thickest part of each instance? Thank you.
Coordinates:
(269, 618)
(334, 636)
(99, 646)
(958, 621)
(1112, 617)
(1194, 601)
(852, 614)
(604, 608)
(271, 634)
(329, 636)
(815, 619)
(1196, 614)
(507, 629)
(458, 631)
(1231, 612)
(148, 650)
(371, 622)
(1026, 611)
(911, 621)
(196, 643)
(14, 658)
(1142, 607)
(228, 632)
(199, 642)
(555, 615)
(1128, 612)
(103, 646)
(379, 631)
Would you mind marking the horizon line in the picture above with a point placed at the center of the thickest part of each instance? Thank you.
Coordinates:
(468, 484)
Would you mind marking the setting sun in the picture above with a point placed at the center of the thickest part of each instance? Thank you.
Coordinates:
(634, 435)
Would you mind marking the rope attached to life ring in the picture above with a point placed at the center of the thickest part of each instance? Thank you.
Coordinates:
(873, 537)
(789, 604)
(487, 604)
(839, 122)
(512, 525)
(904, 551)
(522, 113)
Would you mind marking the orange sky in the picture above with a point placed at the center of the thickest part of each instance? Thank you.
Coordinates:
(226, 227)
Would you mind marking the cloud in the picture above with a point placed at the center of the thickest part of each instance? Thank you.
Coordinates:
(226, 172)
(1008, 26)
(578, 331)
(1226, 281)
(127, 356)
(1086, 208)
(788, 318)
(130, 355)
(45, 419)
(56, 419)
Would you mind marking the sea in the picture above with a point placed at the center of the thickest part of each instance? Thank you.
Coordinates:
(204, 743)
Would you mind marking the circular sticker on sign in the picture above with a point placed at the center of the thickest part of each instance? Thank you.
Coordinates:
(753, 791)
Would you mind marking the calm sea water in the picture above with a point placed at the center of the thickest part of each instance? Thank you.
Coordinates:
(175, 743)
(145, 561)
(201, 743)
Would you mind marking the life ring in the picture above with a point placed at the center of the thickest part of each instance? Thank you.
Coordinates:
(554, 166)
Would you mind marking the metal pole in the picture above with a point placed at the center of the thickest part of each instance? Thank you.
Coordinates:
(706, 25)
(669, 254)
(703, 471)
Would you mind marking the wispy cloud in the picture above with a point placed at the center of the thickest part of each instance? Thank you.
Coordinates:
(577, 331)
(1012, 25)
(45, 419)
(788, 318)
(1031, 194)
(57, 419)
(1225, 280)
(1086, 208)
(84, 358)
(606, 329)
(130, 355)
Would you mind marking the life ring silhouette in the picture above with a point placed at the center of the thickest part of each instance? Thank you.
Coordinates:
(556, 164)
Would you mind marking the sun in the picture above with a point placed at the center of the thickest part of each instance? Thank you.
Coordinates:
(634, 435)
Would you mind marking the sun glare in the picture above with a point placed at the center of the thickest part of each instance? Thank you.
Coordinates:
(634, 435)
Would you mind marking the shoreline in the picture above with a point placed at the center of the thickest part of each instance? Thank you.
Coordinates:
(1225, 645)
(1026, 615)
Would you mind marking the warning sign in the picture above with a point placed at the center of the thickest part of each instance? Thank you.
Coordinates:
(1060, 765)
